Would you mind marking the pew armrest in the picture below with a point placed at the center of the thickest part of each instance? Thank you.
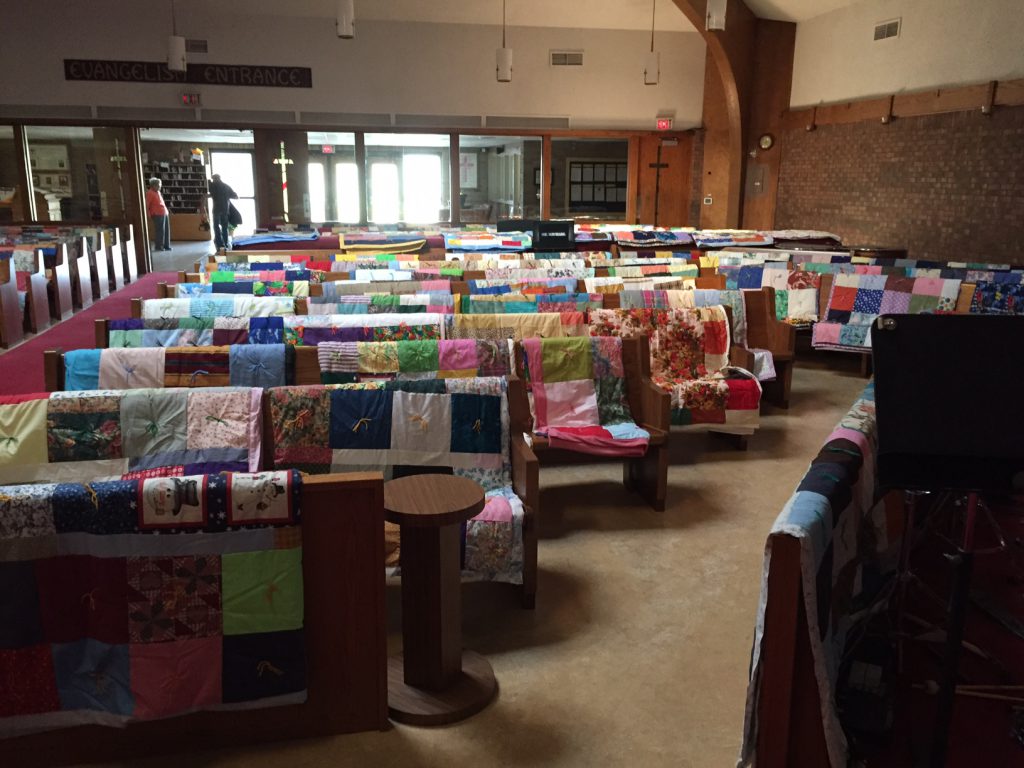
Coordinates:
(525, 472)
(655, 404)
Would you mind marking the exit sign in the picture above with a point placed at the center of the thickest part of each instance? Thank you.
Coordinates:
(190, 99)
(327, 149)
(664, 123)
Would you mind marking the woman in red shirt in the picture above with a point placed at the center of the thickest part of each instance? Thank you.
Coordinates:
(157, 210)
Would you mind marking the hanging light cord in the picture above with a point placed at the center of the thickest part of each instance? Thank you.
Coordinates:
(654, 4)
(174, 20)
(502, 23)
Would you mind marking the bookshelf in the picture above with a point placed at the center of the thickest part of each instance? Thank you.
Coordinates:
(184, 188)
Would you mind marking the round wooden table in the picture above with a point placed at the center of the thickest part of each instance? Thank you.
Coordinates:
(434, 681)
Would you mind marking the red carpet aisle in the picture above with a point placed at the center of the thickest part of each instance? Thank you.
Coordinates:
(21, 369)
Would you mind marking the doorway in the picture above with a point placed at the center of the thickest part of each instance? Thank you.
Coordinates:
(236, 170)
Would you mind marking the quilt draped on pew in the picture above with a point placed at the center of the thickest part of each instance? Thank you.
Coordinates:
(134, 600)
(346, 362)
(458, 426)
(579, 396)
(75, 436)
(689, 359)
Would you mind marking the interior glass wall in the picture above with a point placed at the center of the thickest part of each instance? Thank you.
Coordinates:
(499, 178)
(10, 195)
(333, 177)
(408, 178)
(79, 174)
(184, 159)
(589, 178)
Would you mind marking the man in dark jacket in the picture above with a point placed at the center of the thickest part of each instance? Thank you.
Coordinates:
(221, 194)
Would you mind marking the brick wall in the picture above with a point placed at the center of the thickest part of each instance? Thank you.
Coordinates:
(948, 187)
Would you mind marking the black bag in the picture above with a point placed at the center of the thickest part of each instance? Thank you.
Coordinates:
(234, 217)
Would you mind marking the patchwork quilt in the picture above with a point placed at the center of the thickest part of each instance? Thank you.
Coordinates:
(120, 434)
(239, 365)
(653, 283)
(579, 396)
(347, 362)
(280, 287)
(709, 238)
(689, 359)
(133, 600)
(517, 326)
(653, 238)
(796, 295)
(849, 550)
(678, 269)
(856, 300)
(545, 284)
(454, 426)
(488, 241)
(219, 306)
(439, 303)
(525, 303)
(998, 299)
(332, 289)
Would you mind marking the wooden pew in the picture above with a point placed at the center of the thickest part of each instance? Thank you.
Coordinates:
(99, 264)
(346, 648)
(37, 302)
(58, 269)
(648, 475)
(764, 331)
(81, 274)
(12, 318)
(131, 262)
(114, 254)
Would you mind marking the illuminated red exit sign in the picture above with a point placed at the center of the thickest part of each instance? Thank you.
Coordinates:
(327, 149)
(190, 99)
(664, 123)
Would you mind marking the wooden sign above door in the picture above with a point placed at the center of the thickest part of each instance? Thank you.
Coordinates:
(262, 76)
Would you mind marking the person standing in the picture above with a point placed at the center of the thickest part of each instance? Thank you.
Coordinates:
(157, 210)
(221, 194)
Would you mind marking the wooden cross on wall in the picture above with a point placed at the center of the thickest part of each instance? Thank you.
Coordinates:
(284, 162)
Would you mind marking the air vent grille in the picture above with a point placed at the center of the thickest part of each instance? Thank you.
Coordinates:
(886, 29)
(566, 58)
(195, 46)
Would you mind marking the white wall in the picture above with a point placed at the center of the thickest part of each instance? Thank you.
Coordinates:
(942, 42)
(390, 67)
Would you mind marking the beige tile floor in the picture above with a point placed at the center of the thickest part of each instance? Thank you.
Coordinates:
(638, 650)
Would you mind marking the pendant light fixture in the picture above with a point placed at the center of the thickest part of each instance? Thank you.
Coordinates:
(175, 46)
(716, 15)
(652, 66)
(346, 19)
(504, 55)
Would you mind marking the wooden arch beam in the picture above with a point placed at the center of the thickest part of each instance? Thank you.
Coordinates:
(727, 98)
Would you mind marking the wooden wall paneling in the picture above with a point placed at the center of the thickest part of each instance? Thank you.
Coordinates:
(1010, 93)
(853, 111)
(769, 99)
(270, 201)
(717, 167)
(669, 194)
(455, 175)
(633, 186)
(545, 177)
(943, 100)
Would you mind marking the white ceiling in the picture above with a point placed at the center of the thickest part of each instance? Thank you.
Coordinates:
(795, 10)
(573, 14)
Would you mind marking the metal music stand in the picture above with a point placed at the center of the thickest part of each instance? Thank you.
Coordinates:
(938, 380)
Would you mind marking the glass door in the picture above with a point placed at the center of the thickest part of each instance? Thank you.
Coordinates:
(317, 172)
(235, 169)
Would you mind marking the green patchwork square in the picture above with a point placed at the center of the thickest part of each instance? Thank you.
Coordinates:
(417, 356)
(262, 591)
(920, 303)
(567, 359)
(124, 339)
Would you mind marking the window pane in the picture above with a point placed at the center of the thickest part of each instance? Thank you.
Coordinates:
(384, 196)
(346, 191)
(317, 192)
(602, 167)
(336, 152)
(235, 169)
(80, 173)
(418, 176)
(421, 188)
(506, 172)
(10, 196)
